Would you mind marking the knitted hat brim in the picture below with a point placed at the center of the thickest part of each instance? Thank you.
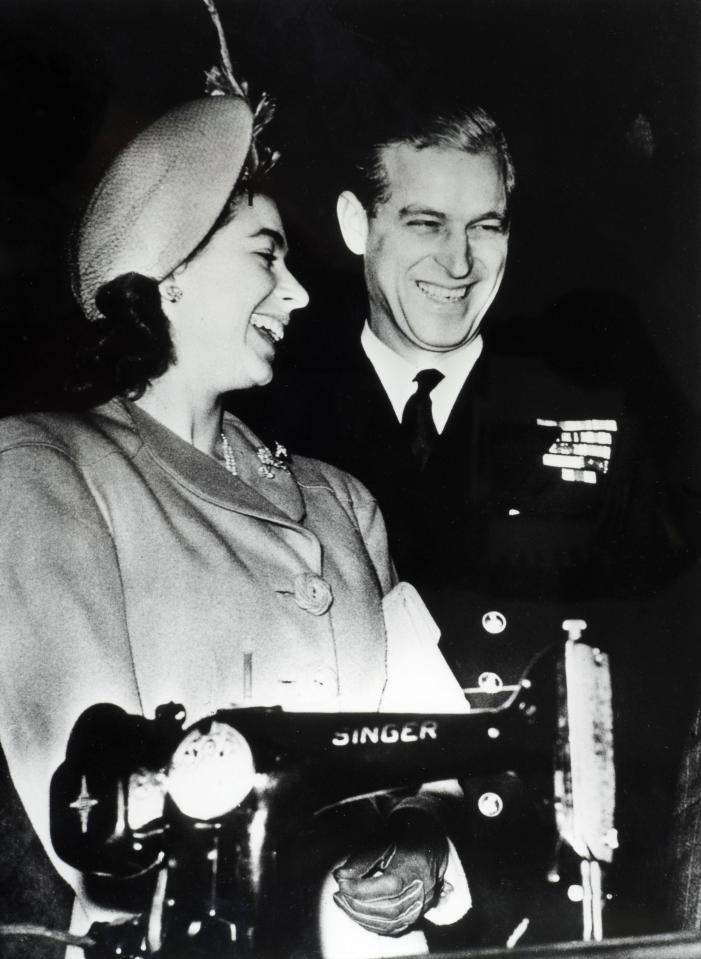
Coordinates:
(162, 194)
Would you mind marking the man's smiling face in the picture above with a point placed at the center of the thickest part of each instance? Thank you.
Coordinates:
(436, 249)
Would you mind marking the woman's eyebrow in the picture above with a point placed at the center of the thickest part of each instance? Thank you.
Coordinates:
(277, 237)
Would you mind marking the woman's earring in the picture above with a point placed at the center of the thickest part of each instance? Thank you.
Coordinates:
(173, 293)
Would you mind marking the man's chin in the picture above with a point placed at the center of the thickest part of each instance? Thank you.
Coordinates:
(446, 342)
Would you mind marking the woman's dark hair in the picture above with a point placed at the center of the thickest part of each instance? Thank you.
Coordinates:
(129, 346)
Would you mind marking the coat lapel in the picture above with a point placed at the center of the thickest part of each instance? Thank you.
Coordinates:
(276, 500)
(279, 490)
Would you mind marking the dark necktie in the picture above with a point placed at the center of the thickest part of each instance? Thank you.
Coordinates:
(417, 418)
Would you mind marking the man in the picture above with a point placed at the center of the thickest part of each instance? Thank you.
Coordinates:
(499, 479)
(513, 499)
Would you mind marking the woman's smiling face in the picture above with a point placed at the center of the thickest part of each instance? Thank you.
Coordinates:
(237, 296)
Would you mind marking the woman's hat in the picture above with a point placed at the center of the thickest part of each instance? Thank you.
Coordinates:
(162, 194)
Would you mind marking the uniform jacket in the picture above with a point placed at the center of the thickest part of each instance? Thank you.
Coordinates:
(501, 546)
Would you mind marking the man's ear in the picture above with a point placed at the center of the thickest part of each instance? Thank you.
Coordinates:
(353, 221)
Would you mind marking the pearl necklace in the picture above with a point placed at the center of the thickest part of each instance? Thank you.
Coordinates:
(229, 458)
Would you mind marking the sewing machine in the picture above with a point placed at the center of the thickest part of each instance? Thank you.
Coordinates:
(202, 831)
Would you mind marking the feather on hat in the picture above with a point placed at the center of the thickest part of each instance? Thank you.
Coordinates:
(164, 192)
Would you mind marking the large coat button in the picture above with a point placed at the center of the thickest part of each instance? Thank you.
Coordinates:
(312, 593)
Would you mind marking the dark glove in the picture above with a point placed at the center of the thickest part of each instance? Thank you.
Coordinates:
(387, 888)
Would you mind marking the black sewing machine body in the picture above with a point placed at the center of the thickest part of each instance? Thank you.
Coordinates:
(223, 879)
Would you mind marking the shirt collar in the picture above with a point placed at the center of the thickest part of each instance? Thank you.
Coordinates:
(397, 374)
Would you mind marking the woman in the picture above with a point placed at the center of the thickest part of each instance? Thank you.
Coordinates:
(154, 549)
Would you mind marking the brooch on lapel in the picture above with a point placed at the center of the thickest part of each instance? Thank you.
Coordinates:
(279, 460)
(582, 452)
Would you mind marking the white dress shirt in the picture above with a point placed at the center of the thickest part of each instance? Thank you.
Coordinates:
(397, 374)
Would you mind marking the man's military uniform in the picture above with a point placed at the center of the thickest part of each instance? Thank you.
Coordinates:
(539, 503)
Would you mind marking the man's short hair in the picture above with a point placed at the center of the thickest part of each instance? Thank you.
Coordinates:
(470, 129)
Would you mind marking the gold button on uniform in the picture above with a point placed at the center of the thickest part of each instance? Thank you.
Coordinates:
(490, 804)
(490, 682)
(494, 622)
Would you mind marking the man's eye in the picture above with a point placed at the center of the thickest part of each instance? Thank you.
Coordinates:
(489, 226)
(424, 225)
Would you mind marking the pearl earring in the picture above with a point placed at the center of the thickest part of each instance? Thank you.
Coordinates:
(173, 293)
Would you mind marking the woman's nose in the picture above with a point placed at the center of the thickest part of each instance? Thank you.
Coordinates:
(292, 291)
